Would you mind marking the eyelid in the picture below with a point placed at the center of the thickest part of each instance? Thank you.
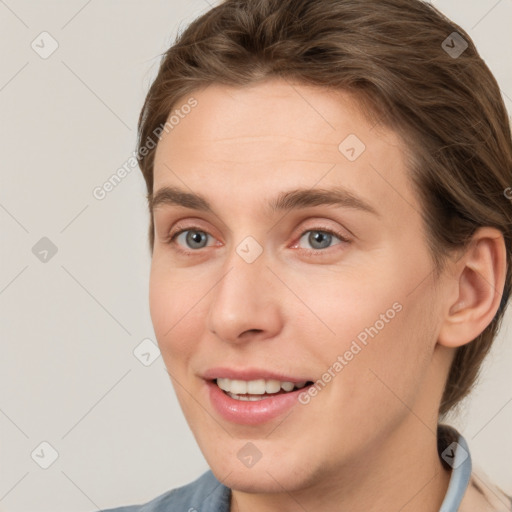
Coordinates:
(181, 228)
(321, 225)
(187, 225)
(323, 229)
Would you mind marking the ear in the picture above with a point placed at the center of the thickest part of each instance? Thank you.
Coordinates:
(480, 275)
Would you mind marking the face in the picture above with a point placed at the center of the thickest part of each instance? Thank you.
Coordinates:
(270, 278)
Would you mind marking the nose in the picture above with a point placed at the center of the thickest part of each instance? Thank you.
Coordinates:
(246, 302)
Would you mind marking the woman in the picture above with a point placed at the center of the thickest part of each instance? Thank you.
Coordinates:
(330, 238)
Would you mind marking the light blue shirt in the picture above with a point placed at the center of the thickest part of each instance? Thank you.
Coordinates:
(207, 494)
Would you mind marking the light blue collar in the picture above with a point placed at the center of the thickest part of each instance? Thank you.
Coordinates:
(457, 456)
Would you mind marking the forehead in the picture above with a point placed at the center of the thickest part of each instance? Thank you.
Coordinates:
(278, 135)
(280, 116)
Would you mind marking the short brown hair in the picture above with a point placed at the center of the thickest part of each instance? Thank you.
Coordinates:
(393, 54)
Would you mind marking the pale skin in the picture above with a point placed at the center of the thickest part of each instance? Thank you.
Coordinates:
(367, 441)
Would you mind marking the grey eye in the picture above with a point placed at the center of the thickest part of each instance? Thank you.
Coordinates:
(318, 239)
(194, 239)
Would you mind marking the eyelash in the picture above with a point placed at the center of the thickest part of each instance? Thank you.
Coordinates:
(314, 252)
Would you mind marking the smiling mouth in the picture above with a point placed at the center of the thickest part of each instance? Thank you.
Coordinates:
(260, 389)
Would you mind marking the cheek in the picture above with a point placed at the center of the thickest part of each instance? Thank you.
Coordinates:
(175, 310)
(386, 375)
(381, 331)
(342, 308)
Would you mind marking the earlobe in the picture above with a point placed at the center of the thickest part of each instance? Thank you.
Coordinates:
(479, 277)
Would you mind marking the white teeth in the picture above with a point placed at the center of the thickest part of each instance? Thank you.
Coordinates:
(272, 386)
(239, 387)
(287, 386)
(246, 398)
(223, 384)
(256, 387)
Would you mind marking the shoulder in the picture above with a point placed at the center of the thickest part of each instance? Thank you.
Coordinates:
(469, 489)
(205, 493)
(482, 495)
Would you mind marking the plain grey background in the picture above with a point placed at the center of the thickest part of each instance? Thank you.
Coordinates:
(72, 321)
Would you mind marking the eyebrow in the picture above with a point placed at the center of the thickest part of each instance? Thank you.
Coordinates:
(288, 200)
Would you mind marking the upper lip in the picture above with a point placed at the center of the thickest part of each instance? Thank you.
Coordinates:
(249, 374)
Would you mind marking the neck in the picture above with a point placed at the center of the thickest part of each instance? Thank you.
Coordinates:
(402, 473)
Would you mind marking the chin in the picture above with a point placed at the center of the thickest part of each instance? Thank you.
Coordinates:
(256, 481)
(272, 476)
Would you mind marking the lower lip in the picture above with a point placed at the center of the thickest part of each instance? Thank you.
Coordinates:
(251, 412)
